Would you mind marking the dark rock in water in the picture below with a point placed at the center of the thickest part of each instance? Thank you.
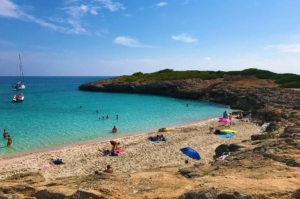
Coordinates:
(234, 147)
(221, 149)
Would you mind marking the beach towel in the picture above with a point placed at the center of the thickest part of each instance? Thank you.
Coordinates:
(229, 131)
(47, 165)
(119, 150)
(226, 135)
(157, 141)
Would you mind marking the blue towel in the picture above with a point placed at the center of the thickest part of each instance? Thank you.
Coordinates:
(226, 135)
(149, 138)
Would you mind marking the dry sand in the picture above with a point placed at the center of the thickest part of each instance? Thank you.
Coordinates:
(139, 153)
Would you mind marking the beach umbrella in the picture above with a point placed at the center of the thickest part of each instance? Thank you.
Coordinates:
(224, 120)
(191, 153)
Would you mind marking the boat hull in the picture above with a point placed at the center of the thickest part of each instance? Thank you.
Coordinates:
(18, 98)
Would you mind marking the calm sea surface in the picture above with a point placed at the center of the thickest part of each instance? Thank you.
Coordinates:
(50, 114)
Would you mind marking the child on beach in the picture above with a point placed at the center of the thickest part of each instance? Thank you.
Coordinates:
(108, 169)
(211, 129)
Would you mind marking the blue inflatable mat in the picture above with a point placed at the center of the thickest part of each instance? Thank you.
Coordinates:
(226, 135)
(149, 138)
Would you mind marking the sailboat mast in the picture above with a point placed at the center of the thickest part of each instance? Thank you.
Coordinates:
(21, 69)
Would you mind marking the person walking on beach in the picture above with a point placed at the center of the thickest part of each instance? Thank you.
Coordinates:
(9, 140)
(5, 133)
(230, 118)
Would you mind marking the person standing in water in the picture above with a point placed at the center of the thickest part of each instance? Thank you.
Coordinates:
(9, 140)
(114, 130)
(5, 133)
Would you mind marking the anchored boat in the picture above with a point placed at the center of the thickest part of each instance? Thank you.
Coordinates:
(20, 85)
(18, 98)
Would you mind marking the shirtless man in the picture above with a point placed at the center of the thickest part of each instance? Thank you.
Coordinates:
(114, 144)
(5, 133)
(9, 140)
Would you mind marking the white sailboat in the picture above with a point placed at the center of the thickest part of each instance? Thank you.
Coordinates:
(20, 85)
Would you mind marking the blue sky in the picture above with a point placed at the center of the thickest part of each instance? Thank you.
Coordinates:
(107, 37)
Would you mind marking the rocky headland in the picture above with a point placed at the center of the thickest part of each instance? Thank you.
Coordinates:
(266, 165)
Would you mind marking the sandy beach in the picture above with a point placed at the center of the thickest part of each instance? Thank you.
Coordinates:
(139, 153)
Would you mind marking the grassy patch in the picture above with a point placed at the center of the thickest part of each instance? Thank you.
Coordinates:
(286, 80)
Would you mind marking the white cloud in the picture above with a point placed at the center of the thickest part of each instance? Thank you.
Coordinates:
(127, 41)
(43, 23)
(287, 48)
(9, 9)
(207, 58)
(161, 4)
(184, 38)
(93, 11)
(110, 5)
(76, 27)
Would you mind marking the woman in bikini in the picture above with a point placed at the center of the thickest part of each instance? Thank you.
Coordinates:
(9, 140)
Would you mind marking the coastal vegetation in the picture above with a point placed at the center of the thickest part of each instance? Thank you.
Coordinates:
(285, 80)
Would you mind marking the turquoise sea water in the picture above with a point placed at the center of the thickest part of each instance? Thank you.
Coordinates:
(50, 114)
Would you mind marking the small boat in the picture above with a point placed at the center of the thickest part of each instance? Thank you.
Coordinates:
(20, 85)
(18, 98)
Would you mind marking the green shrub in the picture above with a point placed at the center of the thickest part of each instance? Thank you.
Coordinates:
(286, 80)
(137, 74)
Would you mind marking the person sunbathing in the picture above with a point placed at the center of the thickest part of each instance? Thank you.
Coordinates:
(155, 138)
(104, 151)
(162, 138)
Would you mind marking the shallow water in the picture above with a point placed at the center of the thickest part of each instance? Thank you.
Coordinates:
(50, 114)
